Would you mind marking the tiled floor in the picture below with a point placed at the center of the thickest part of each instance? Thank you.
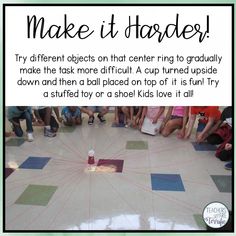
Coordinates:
(141, 182)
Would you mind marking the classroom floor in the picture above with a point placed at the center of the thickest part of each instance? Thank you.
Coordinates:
(141, 182)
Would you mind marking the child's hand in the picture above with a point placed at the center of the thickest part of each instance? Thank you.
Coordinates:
(34, 119)
(141, 122)
(180, 134)
(187, 136)
(134, 123)
(200, 138)
(60, 119)
(162, 127)
(228, 146)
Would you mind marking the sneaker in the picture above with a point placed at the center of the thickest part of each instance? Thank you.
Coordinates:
(101, 118)
(30, 137)
(49, 133)
(228, 166)
(91, 119)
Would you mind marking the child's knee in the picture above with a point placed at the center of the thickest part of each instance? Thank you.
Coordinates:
(105, 109)
(165, 134)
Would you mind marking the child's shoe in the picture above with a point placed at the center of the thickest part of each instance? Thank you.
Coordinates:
(49, 133)
(91, 119)
(101, 118)
(30, 137)
(228, 166)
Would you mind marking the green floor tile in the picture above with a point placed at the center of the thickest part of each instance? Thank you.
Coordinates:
(66, 129)
(15, 142)
(38, 195)
(199, 221)
(137, 145)
(223, 183)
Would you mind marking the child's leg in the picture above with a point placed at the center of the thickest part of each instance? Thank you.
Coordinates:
(121, 116)
(201, 126)
(53, 124)
(90, 112)
(68, 121)
(101, 112)
(45, 115)
(171, 126)
(16, 127)
(126, 111)
(78, 120)
(87, 110)
(29, 126)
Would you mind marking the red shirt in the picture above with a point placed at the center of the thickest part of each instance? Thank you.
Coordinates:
(206, 112)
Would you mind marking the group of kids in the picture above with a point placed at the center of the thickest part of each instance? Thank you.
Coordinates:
(214, 126)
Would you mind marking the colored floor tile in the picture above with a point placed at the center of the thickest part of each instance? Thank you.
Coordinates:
(34, 163)
(38, 195)
(109, 165)
(120, 125)
(15, 142)
(66, 129)
(8, 171)
(137, 145)
(167, 182)
(223, 183)
(203, 147)
(199, 221)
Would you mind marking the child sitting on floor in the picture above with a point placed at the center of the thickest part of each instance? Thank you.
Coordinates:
(208, 117)
(44, 114)
(151, 119)
(135, 115)
(17, 113)
(222, 134)
(176, 118)
(122, 116)
(71, 116)
(93, 109)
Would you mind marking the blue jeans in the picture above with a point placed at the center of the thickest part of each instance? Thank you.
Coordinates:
(17, 128)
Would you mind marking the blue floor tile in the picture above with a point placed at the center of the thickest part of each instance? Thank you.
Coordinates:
(167, 182)
(35, 163)
(203, 147)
